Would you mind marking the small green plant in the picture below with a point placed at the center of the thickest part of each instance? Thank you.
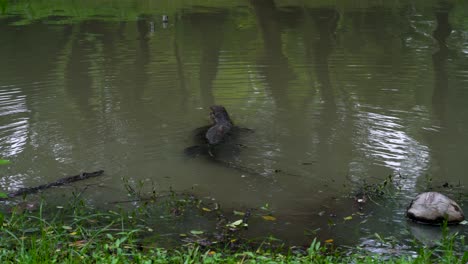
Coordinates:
(3, 162)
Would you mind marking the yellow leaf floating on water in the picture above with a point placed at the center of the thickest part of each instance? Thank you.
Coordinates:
(206, 209)
(269, 218)
(329, 241)
(348, 218)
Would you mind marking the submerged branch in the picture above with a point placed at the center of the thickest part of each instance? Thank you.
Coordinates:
(59, 182)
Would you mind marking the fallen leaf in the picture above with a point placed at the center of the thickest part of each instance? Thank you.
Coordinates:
(196, 232)
(238, 213)
(79, 243)
(206, 209)
(329, 241)
(348, 218)
(235, 223)
(269, 218)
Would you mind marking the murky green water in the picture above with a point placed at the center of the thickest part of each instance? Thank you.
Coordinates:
(337, 95)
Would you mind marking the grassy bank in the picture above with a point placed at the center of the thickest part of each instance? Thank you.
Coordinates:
(78, 234)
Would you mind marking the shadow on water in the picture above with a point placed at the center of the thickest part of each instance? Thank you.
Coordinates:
(441, 83)
(273, 63)
(206, 34)
(319, 47)
(439, 62)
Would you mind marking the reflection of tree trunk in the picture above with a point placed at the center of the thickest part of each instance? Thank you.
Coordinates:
(180, 75)
(318, 53)
(78, 77)
(275, 65)
(208, 69)
(439, 95)
(210, 27)
(81, 71)
(180, 71)
(439, 60)
(326, 21)
(143, 57)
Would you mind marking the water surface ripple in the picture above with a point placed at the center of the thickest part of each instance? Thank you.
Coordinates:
(336, 96)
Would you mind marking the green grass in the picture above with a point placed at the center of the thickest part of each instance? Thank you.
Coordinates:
(78, 234)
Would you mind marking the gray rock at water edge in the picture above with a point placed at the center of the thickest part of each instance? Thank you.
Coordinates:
(434, 208)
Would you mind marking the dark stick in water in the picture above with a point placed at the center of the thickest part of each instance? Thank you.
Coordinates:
(62, 181)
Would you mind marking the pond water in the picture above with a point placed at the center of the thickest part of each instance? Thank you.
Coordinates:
(337, 95)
